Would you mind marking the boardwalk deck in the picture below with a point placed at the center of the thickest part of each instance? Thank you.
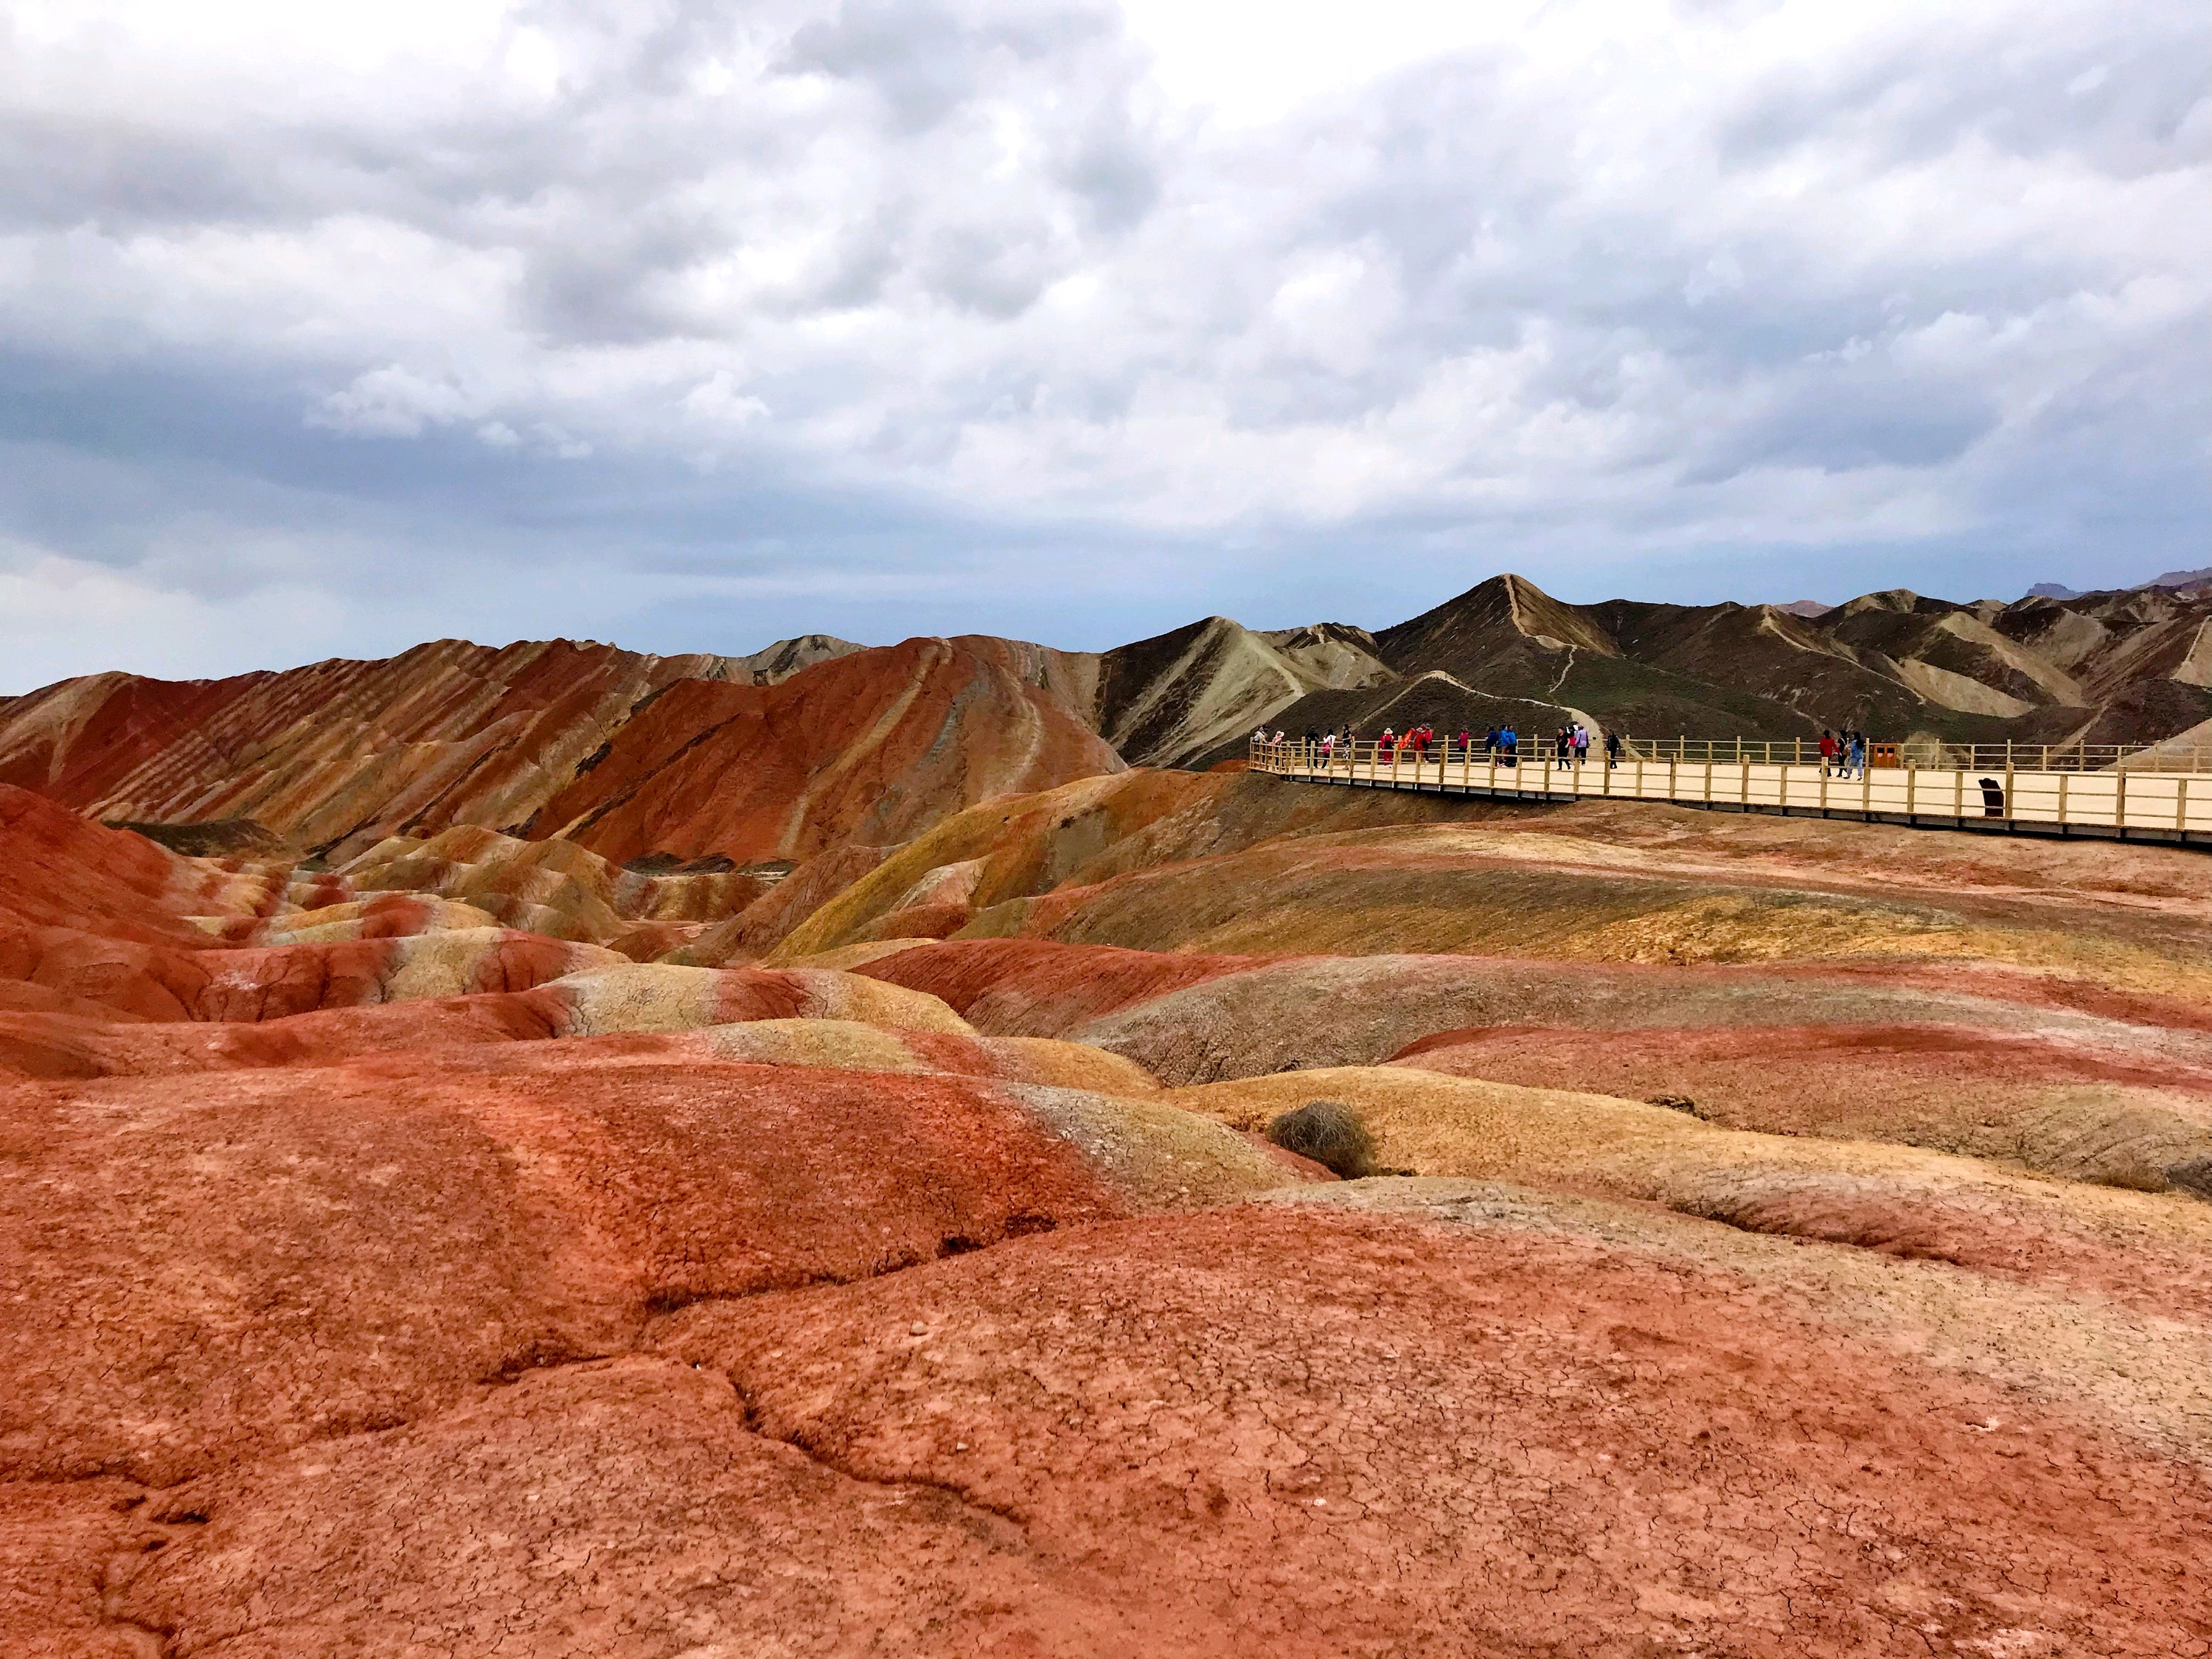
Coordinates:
(2125, 800)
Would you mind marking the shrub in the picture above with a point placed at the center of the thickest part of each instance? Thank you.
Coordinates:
(1330, 1132)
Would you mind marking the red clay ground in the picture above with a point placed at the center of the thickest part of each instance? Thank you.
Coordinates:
(275, 1257)
(381, 1272)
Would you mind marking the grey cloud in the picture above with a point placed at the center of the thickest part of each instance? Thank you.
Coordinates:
(1843, 427)
(853, 226)
(925, 61)
(2117, 95)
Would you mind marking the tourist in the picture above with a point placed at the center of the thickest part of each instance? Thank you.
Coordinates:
(1829, 749)
(1582, 744)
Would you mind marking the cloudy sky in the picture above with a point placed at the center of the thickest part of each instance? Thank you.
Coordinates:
(688, 324)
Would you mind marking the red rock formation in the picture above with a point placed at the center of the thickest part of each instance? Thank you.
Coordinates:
(86, 971)
(1033, 987)
(871, 748)
(684, 754)
(340, 754)
(1284, 1434)
(57, 870)
(377, 1279)
(275, 1257)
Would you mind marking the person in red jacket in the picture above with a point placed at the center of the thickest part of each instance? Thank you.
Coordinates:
(1829, 748)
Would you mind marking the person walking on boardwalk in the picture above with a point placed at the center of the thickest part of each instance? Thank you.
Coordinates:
(1611, 752)
(1582, 744)
(1854, 760)
(1509, 746)
(1829, 748)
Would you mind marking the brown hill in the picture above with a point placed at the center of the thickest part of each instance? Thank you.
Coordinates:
(335, 758)
(632, 755)
(1201, 689)
(2127, 667)
(872, 747)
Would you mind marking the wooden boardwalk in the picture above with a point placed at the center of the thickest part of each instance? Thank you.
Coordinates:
(2139, 797)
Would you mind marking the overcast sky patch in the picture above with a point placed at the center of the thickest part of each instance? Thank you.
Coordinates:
(691, 324)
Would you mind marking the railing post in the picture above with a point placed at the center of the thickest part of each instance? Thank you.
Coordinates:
(1709, 774)
(2181, 806)
(2120, 799)
(2012, 811)
(1959, 796)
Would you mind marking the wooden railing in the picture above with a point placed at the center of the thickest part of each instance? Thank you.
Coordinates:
(1932, 754)
(2025, 789)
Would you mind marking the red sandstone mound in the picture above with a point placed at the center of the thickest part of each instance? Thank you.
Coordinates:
(554, 887)
(1032, 987)
(1283, 1434)
(270, 1257)
(70, 972)
(57, 870)
(308, 1004)
(1361, 1011)
(625, 1506)
(338, 752)
(770, 919)
(871, 747)
(338, 756)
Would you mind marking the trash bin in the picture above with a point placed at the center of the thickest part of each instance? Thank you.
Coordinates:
(1882, 754)
(1993, 800)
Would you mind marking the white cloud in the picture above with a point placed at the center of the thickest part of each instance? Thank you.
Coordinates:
(59, 615)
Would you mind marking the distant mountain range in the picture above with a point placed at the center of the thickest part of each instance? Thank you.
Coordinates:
(2172, 579)
(819, 741)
